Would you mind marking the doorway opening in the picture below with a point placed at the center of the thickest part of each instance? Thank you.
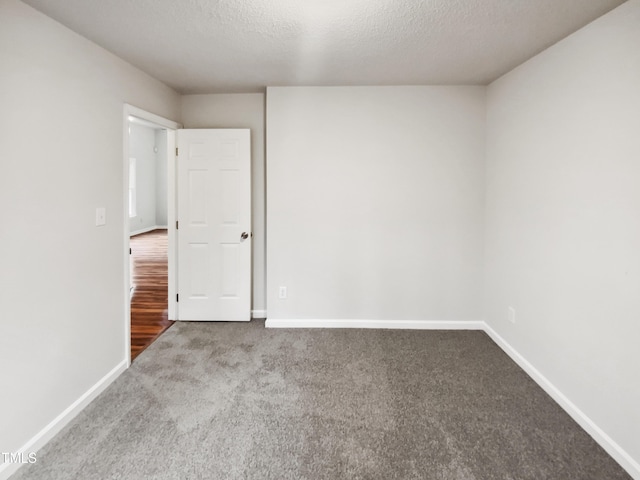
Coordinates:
(149, 192)
(148, 244)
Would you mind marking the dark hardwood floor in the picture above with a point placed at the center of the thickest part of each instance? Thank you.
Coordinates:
(149, 302)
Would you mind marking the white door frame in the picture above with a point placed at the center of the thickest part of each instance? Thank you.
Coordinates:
(171, 127)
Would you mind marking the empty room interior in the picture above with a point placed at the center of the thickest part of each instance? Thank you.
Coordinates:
(442, 239)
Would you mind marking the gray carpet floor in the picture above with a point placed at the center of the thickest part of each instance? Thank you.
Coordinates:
(238, 401)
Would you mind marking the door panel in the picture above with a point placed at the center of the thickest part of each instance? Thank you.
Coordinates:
(214, 209)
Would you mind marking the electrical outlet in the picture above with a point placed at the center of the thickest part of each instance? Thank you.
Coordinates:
(101, 216)
(511, 314)
(282, 293)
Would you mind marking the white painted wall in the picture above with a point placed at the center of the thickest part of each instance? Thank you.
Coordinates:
(239, 111)
(62, 278)
(563, 218)
(149, 147)
(162, 181)
(142, 141)
(375, 202)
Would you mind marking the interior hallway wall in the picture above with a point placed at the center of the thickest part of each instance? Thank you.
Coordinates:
(142, 142)
(162, 180)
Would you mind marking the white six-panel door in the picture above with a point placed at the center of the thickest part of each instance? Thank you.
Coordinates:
(214, 224)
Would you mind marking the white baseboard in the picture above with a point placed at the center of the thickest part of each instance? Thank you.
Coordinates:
(258, 314)
(604, 440)
(58, 423)
(148, 229)
(386, 324)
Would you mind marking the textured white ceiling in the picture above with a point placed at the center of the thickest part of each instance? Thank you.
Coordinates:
(208, 46)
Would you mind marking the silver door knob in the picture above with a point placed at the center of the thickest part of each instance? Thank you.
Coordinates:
(244, 235)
